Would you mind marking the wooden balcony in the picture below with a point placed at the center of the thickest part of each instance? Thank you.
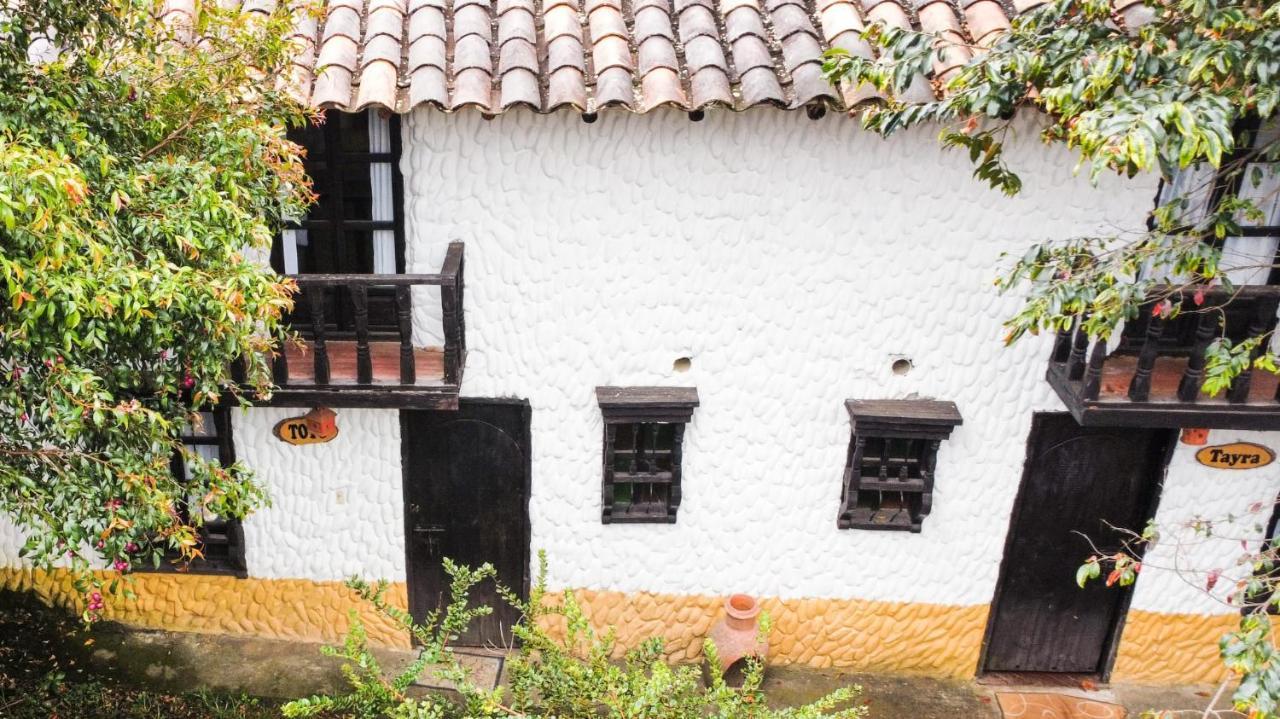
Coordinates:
(1156, 376)
(347, 359)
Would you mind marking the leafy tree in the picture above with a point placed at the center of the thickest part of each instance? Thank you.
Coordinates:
(1175, 93)
(143, 168)
(1184, 88)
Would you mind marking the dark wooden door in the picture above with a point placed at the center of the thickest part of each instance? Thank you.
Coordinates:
(1077, 481)
(466, 487)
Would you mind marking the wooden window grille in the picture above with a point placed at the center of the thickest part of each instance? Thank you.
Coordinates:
(888, 478)
(221, 541)
(643, 451)
(356, 225)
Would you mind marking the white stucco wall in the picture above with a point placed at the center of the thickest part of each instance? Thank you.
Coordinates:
(336, 508)
(793, 261)
(1239, 504)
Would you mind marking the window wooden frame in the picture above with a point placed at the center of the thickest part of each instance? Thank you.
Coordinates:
(223, 550)
(328, 217)
(1178, 334)
(643, 452)
(893, 451)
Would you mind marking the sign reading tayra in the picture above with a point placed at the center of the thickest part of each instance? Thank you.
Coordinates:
(1237, 455)
(317, 426)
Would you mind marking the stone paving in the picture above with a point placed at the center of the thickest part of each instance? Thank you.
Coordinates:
(282, 669)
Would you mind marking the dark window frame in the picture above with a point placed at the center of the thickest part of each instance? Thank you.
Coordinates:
(1178, 335)
(893, 450)
(647, 425)
(327, 216)
(232, 560)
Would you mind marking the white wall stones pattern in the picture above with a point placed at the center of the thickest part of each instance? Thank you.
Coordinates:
(1192, 491)
(792, 261)
(336, 508)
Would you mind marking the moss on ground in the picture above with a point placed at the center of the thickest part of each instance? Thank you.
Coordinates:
(44, 675)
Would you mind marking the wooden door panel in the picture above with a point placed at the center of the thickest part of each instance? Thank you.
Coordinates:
(1079, 485)
(466, 498)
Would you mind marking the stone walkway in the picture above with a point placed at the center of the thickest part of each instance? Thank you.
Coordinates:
(282, 669)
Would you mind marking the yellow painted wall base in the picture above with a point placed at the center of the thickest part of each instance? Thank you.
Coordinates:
(930, 639)
(1172, 648)
(295, 609)
(933, 639)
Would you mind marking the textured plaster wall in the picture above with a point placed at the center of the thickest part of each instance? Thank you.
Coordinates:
(793, 261)
(1193, 491)
(336, 508)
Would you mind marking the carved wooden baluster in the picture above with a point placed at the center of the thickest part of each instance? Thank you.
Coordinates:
(450, 317)
(318, 346)
(1079, 346)
(404, 318)
(1193, 376)
(1093, 374)
(455, 332)
(1264, 314)
(364, 362)
(884, 459)
(461, 320)
(1062, 343)
(1140, 387)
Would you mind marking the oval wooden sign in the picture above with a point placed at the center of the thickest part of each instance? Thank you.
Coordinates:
(1237, 455)
(297, 430)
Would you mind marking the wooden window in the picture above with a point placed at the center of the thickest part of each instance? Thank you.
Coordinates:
(356, 224)
(1252, 256)
(643, 447)
(888, 478)
(221, 540)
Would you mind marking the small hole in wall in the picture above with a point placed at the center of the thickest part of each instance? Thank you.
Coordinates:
(682, 364)
(902, 366)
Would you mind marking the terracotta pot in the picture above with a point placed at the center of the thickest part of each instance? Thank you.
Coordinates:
(322, 422)
(1195, 436)
(736, 635)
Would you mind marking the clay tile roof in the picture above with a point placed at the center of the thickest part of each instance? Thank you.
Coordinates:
(546, 55)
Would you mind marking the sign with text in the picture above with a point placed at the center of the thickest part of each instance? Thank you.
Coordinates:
(315, 427)
(1237, 455)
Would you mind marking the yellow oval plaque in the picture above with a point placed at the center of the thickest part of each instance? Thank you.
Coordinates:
(315, 427)
(1237, 455)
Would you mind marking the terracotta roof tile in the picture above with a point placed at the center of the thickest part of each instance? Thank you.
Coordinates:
(986, 20)
(950, 52)
(545, 55)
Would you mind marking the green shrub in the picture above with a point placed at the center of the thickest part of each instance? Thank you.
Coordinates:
(573, 676)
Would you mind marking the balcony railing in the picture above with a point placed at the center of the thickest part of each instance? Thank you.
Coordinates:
(345, 358)
(1156, 376)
